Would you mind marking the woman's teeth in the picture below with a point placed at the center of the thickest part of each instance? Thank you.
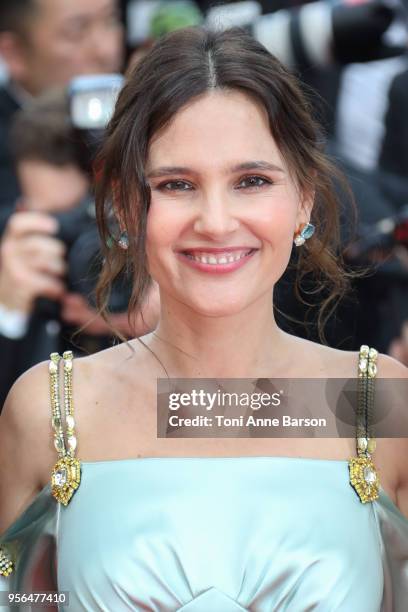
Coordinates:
(218, 259)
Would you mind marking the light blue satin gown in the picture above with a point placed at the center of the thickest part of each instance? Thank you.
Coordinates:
(213, 534)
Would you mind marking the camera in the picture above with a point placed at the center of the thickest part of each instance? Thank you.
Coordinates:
(91, 101)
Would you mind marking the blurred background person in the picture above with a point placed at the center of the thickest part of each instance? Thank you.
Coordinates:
(38, 310)
(44, 43)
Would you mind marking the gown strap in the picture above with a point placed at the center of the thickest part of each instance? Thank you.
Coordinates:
(66, 474)
(35, 529)
(363, 475)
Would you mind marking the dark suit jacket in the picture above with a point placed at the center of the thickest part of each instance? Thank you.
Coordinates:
(9, 188)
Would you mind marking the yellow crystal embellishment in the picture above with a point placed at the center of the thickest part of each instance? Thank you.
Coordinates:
(6, 564)
(372, 444)
(65, 479)
(364, 478)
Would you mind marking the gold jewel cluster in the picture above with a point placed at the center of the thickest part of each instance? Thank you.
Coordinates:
(363, 475)
(6, 563)
(66, 474)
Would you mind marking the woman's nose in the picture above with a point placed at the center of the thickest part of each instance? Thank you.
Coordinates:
(215, 218)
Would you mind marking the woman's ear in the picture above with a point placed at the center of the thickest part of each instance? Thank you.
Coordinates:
(305, 207)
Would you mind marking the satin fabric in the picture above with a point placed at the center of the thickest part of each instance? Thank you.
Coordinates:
(263, 534)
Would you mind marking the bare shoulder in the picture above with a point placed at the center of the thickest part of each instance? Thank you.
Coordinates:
(109, 390)
(389, 367)
(322, 361)
(391, 455)
(328, 361)
(104, 371)
(27, 453)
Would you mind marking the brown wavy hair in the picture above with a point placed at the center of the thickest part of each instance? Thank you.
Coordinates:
(182, 66)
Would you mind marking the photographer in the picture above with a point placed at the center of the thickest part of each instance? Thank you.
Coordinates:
(51, 168)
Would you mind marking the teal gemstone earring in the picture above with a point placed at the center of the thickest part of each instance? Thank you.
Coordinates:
(306, 233)
(123, 241)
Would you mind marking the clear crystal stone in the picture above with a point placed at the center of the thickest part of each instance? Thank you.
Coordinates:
(53, 367)
(363, 365)
(373, 354)
(60, 477)
(362, 443)
(59, 444)
(369, 475)
(72, 442)
(56, 422)
(70, 422)
(372, 370)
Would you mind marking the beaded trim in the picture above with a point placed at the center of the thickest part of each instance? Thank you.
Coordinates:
(6, 563)
(66, 474)
(363, 475)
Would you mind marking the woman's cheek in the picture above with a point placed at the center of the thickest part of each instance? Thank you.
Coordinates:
(161, 236)
(277, 229)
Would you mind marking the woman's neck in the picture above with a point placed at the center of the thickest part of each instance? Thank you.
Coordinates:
(242, 345)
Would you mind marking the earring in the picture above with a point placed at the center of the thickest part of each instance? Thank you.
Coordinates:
(123, 240)
(306, 233)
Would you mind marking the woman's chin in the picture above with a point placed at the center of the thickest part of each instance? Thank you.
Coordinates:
(211, 308)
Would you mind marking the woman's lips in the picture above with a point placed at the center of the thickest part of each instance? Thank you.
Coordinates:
(217, 261)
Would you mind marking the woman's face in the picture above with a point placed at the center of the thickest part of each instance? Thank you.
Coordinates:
(224, 209)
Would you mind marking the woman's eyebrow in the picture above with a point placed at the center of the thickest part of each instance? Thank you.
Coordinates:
(249, 165)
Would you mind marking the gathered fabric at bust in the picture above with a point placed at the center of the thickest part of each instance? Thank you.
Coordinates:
(215, 534)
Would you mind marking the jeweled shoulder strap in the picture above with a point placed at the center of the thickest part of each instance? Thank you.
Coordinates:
(363, 475)
(66, 474)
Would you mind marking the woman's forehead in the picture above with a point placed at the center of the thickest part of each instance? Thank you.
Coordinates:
(219, 128)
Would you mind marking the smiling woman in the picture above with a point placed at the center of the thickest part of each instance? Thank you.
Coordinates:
(221, 100)
(213, 169)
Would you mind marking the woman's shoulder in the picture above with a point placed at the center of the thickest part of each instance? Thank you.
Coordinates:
(25, 400)
(391, 384)
(26, 437)
(333, 362)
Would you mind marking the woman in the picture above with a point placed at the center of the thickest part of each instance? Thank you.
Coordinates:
(213, 168)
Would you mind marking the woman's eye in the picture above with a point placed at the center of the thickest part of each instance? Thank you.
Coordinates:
(253, 181)
(174, 186)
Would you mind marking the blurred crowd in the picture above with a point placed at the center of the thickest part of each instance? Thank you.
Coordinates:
(351, 54)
